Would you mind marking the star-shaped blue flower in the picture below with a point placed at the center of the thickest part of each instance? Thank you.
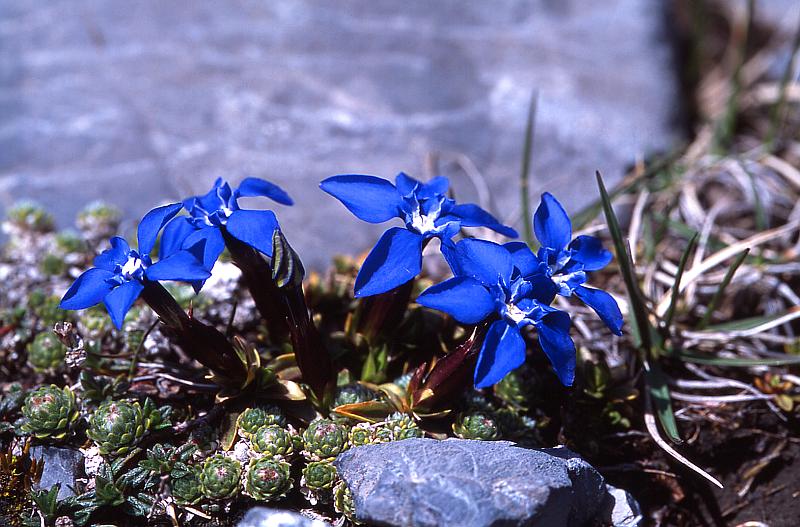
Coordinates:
(487, 284)
(427, 213)
(120, 273)
(565, 261)
(218, 209)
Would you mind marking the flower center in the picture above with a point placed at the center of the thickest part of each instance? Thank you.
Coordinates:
(133, 268)
(424, 223)
(514, 313)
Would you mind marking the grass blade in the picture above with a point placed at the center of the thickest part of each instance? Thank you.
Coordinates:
(656, 383)
(527, 217)
(747, 327)
(718, 294)
(641, 325)
(676, 287)
(739, 362)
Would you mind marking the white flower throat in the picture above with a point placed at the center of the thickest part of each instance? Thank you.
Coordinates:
(133, 265)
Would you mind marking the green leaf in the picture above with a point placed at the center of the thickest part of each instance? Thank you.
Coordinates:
(720, 292)
(676, 287)
(745, 324)
(656, 383)
(643, 330)
(741, 362)
(374, 369)
(527, 217)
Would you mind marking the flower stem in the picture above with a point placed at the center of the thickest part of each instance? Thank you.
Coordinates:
(285, 312)
(201, 342)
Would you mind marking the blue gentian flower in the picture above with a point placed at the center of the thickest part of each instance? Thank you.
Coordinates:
(120, 273)
(565, 261)
(219, 208)
(427, 212)
(487, 284)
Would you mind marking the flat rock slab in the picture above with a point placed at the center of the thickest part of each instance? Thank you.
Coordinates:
(61, 466)
(425, 482)
(142, 102)
(264, 517)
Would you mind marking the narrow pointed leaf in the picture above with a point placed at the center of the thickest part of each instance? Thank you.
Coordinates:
(656, 384)
(720, 292)
(676, 287)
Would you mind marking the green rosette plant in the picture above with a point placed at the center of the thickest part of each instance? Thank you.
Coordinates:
(272, 440)
(360, 434)
(254, 418)
(49, 412)
(476, 426)
(117, 427)
(403, 427)
(46, 352)
(343, 501)
(267, 479)
(324, 439)
(219, 477)
(319, 476)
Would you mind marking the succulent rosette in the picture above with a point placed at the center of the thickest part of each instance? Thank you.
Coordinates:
(273, 441)
(116, 427)
(251, 419)
(49, 412)
(46, 352)
(267, 479)
(476, 426)
(318, 480)
(219, 477)
(324, 439)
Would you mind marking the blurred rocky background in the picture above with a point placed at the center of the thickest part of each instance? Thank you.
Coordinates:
(138, 103)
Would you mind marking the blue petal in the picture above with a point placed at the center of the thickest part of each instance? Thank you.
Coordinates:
(435, 187)
(604, 305)
(486, 261)
(406, 185)
(210, 240)
(543, 289)
(553, 331)
(370, 198)
(462, 297)
(182, 266)
(89, 289)
(253, 186)
(209, 201)
(588, 251)
(472, 215)
(503, 350)
(117, 255)
(523, 257)
(152, 223)
(120, 300)
(551, 223)
(395, 259)
(254, 227)
(176, 231)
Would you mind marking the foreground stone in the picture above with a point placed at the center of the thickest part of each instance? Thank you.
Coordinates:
(425, 482)
(61, 465)
(264, 517)
(154, 105)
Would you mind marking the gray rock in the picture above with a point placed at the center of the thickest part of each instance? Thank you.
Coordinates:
(155, 104)
(61, 465)
(625, 510)
(424, 482)
(264, 517)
